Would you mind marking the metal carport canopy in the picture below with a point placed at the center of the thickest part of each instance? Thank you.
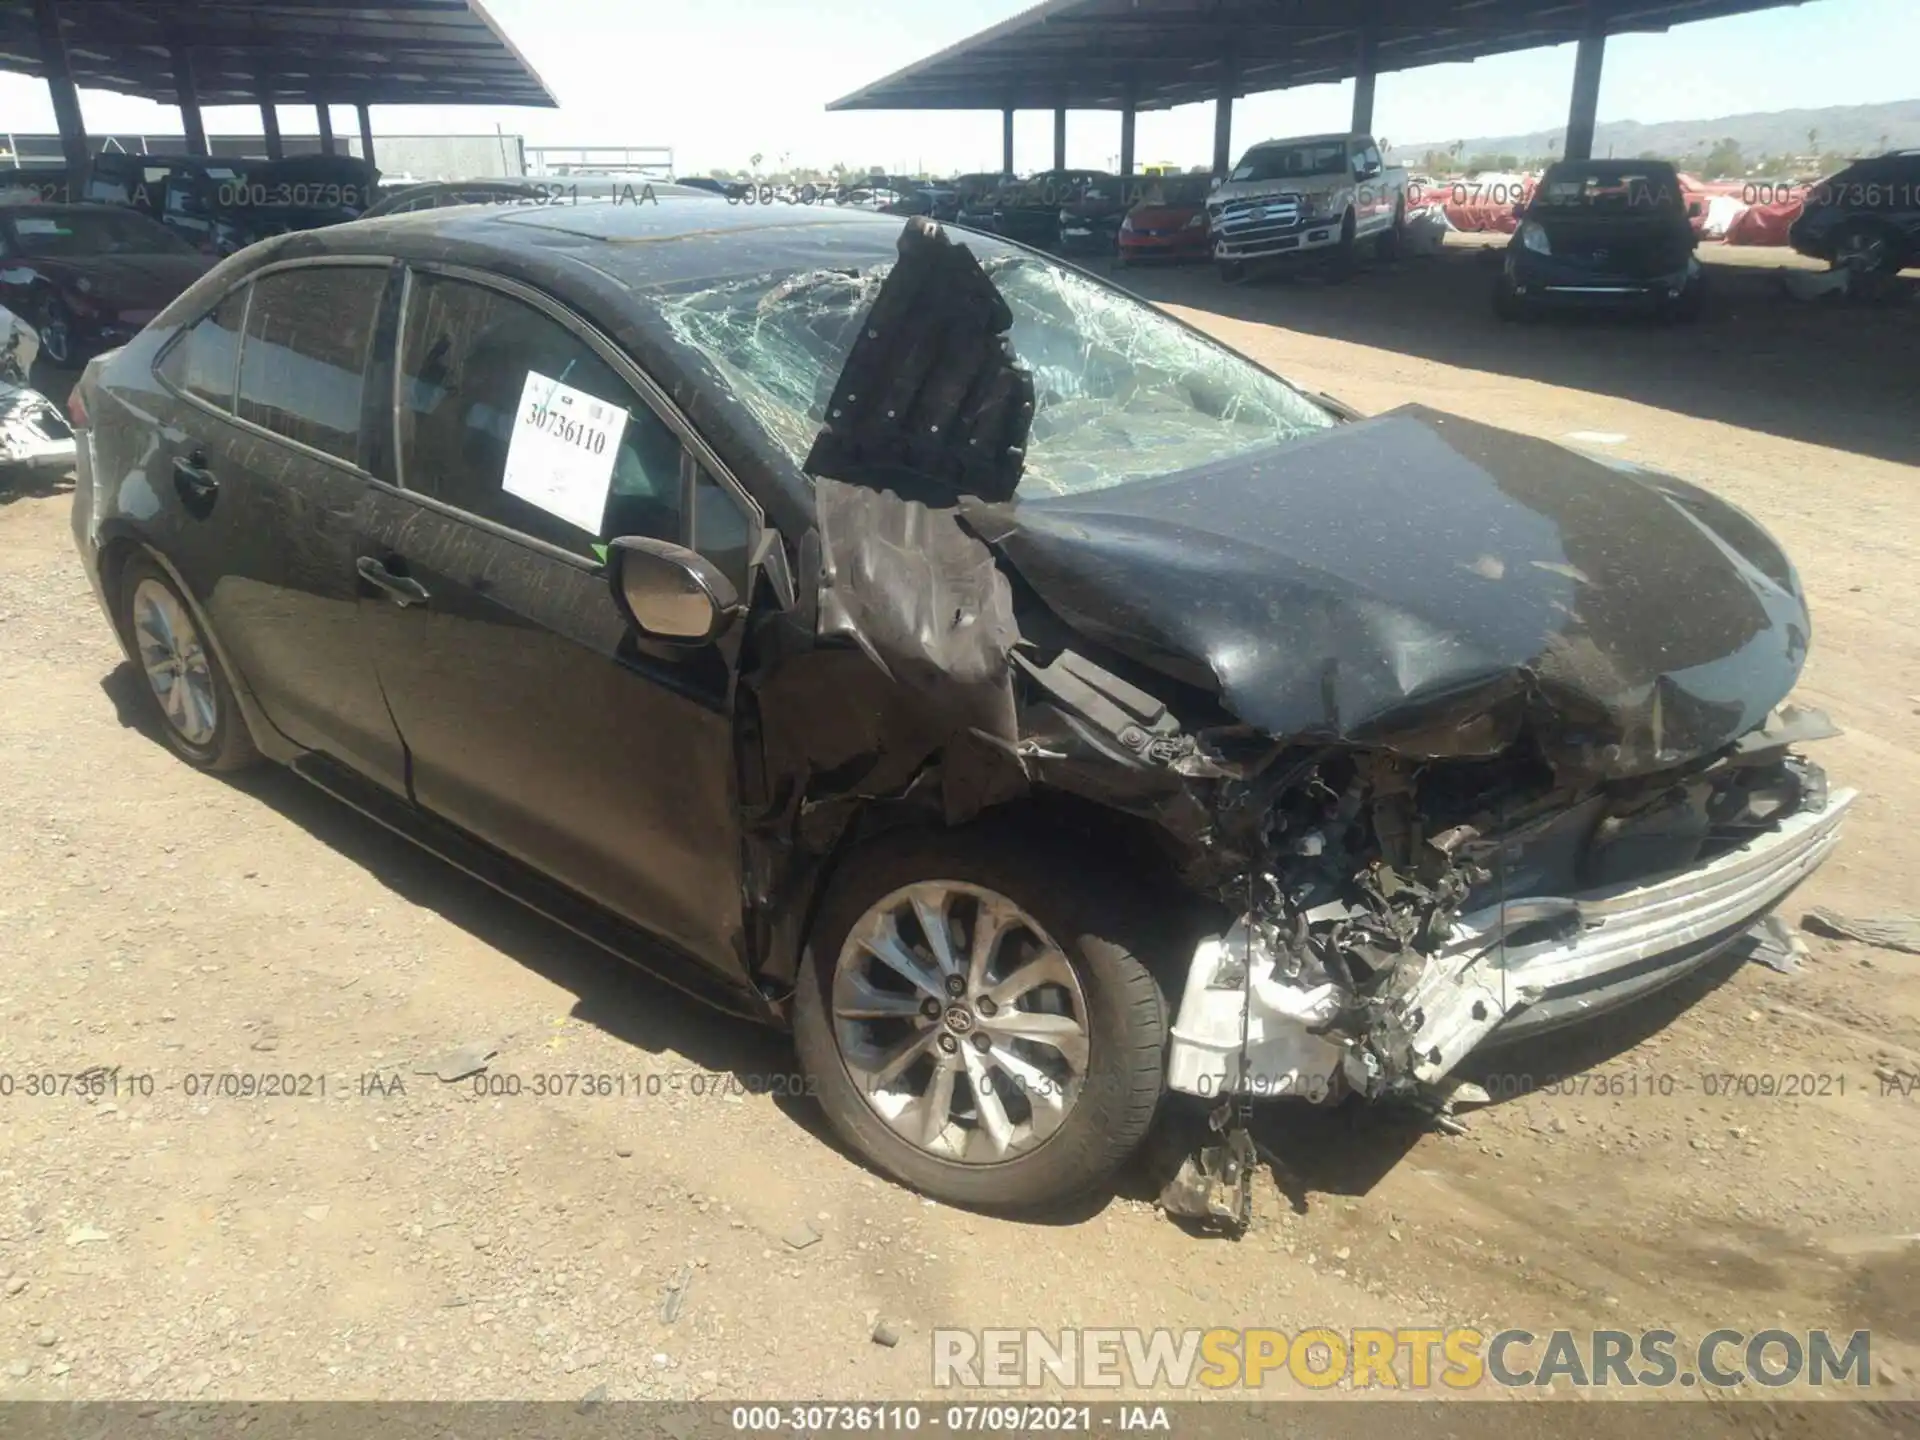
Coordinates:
(1155, 54)
(401, 52)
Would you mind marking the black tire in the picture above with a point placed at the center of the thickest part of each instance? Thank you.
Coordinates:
(1870, 248)
(56, 334)
(230, 745)
(1387, 244)
(1691, 303)
(1344, 259)
(1506, 304)
(1089, 914)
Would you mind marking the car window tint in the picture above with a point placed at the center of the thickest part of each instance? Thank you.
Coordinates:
(466, 404)
(201, 362)
(303, 364)
(721, 530)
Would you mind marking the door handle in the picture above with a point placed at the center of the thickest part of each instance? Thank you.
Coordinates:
(195, 484)
(403, 590)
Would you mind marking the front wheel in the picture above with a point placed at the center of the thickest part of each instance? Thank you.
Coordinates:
(1867, 248)
(1343, 259)
(974, 1014)
(56, 334)
(1506, 304)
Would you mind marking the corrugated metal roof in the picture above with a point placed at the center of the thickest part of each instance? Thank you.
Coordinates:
(1090, 54)
(401, 52)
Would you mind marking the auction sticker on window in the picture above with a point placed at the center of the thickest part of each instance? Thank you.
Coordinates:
(562, 452)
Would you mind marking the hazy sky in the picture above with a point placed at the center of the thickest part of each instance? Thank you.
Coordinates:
(724, 79)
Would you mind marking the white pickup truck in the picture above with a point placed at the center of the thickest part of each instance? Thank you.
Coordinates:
(1309, 193)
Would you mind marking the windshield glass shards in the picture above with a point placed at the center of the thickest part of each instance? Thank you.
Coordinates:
(1121, 391)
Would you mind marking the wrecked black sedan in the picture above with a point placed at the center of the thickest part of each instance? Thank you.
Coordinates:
(1032, 702)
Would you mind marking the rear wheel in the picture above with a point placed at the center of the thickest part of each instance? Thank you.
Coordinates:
(191, 697)
(56, 334)
(1867, 248)
(976, 1020)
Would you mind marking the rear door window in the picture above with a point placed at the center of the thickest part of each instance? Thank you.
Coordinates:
(202, 362)
(304, 361)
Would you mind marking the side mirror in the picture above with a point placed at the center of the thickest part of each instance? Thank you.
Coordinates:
(668, 592)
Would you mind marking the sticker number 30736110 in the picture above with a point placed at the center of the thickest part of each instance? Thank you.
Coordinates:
(564, 445)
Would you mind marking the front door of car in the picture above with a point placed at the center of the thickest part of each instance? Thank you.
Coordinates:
(533, 718)
(259, 462)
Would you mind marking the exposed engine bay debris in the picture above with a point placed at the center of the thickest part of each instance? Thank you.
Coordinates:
(34, 435)
(1452, 730)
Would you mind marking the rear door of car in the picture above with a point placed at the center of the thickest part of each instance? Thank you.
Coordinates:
(259, 460)
(533, 718)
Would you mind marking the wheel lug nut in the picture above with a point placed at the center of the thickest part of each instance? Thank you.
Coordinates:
(948, 1044)
(982, 1042)
(955, 986)
(930, 1009)
(985, 1005)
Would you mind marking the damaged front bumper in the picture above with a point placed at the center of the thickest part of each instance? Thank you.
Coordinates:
(1600, 949)
(34, 435)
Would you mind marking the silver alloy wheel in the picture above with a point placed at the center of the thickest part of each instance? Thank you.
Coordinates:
(961, 1022)
(175, 662)
(53, 340)
(1861, 250)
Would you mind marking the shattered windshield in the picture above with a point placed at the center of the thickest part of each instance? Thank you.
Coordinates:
(1121, 391)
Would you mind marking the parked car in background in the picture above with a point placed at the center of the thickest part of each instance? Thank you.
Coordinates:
(1866, 217)
(1311, 195)
(302, 192)
(936, 202)
(1090, 218)
(1191, 731)
(1033, 210)
(1168, 222)
(35, 438)
(1604, 234)
(559, 190)
(87, 277)
(732, 189)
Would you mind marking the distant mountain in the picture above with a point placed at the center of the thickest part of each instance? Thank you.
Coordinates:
(1848, 129)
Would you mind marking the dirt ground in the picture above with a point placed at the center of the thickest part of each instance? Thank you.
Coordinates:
(405, 1237)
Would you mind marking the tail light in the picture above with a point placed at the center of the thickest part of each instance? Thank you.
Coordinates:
(76, 408)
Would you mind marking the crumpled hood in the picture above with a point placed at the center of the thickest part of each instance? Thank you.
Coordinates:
(1434, 586)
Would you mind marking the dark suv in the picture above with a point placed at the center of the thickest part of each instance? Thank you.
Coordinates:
(1865, 218)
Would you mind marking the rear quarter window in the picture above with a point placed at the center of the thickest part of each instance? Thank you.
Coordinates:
(202, 362)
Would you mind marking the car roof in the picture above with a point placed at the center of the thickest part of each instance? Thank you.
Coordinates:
(1331, 138)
